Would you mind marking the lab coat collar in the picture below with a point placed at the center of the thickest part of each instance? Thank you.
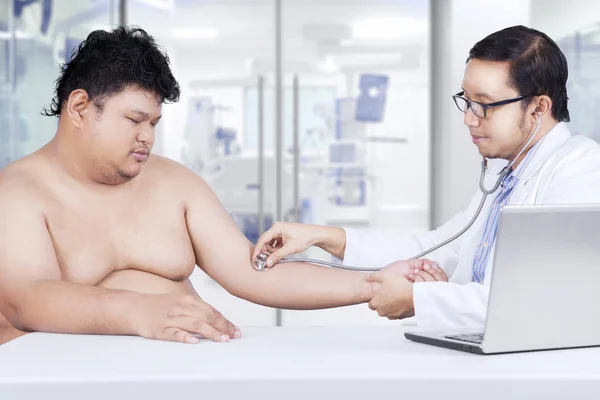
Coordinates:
(554, 139)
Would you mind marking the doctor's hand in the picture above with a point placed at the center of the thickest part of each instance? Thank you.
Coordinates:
(428, 272)
(418, 270)
(393, 296)
(286, 238)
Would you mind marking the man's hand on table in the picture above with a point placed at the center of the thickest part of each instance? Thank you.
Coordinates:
(179, 318)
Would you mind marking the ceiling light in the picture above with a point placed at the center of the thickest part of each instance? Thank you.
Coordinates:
(4, 35)
(328, 65)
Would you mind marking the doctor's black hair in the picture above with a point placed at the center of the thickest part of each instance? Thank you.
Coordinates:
(537, 65)
(106, 63)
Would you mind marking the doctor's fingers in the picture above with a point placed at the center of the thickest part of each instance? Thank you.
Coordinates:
(273, 248)
(425, 276)
(430, 262)
(424, 262)
(436, 273)
(377, 302)
(266, 240)
(432, 275)
(373, 304)
(281, 252)
(378, 307)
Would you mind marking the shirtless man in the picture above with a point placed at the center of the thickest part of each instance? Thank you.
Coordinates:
(97, 236)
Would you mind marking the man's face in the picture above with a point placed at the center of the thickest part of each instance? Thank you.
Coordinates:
(506, 128)
(121, 134)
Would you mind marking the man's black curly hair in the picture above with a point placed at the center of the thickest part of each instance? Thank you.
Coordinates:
(106, 63)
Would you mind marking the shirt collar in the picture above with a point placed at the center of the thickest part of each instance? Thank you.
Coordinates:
(551, 141)
(554, 139)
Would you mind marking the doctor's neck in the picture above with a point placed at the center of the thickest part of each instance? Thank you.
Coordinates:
(546, 125)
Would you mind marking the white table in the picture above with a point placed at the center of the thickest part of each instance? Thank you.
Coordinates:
(286, 363)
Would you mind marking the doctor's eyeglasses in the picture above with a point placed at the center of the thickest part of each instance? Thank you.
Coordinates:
(479, 109)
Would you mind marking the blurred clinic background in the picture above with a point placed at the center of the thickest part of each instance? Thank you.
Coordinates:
(334, 112)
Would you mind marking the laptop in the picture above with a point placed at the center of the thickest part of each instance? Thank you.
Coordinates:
(544, 288)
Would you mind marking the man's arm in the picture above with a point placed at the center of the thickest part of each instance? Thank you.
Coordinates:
(224, 253)
(32, 295)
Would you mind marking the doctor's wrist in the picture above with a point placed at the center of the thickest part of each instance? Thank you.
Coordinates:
(332, 240)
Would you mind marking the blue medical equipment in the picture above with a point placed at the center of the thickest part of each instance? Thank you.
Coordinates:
(226, 137)
(370, 105)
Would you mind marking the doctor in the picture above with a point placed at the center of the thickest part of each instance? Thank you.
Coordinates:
(514, 100)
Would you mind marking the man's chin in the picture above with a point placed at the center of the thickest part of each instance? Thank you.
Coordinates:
(129, 174)
(486, 153)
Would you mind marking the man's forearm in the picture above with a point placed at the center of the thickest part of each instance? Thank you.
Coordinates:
(302, 286)
(332, 240)
(65, 307)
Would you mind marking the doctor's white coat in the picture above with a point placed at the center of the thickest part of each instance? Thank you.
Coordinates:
(564, 170)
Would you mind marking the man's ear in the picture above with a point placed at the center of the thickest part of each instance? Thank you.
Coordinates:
(542, 105)
(78, 105)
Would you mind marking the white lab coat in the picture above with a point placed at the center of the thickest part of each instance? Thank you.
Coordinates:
(564, 170)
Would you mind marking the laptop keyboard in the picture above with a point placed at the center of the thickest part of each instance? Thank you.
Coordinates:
(467, 337)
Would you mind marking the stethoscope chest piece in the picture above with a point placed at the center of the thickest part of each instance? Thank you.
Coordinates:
(260, 264)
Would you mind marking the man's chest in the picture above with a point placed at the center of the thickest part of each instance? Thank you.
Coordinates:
(93, 240)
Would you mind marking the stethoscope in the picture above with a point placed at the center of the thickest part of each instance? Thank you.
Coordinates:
(260, 263)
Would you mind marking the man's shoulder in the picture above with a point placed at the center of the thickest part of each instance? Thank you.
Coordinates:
(172, 174)
(20, 185)
(160, 165)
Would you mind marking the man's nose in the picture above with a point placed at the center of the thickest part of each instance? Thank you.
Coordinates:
(470, 118)
(146, 135)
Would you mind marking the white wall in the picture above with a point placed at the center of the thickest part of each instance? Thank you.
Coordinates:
(458, 25)
(559, 18)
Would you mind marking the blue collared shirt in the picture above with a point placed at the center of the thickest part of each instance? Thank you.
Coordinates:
(482, 254)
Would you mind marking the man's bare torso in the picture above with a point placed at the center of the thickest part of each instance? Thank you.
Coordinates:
(132, 237)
